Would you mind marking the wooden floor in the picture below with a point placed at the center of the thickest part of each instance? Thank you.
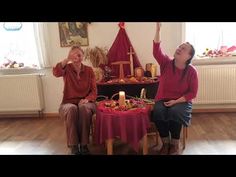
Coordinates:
(210, 133)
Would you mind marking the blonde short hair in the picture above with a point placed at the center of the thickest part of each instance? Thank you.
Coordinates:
(77, 46)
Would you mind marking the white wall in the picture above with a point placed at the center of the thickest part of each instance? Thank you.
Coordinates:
(103, 34)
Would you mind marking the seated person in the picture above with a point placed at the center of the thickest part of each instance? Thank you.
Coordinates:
(78, 103)
(178, 85)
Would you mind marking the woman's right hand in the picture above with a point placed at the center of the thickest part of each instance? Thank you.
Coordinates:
(158, 26)
(72, 55)
(157, 35)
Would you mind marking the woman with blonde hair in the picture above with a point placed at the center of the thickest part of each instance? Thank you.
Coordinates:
(78, 103)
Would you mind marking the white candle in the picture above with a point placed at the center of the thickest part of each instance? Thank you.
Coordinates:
(121, 98)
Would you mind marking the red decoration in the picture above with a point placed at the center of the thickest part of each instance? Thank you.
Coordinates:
(122, 24)
(119, 52)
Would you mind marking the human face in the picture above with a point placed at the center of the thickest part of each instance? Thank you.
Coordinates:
(183, 52)
(78, 56)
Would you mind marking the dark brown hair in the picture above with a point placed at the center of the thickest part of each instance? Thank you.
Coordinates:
(192, 53)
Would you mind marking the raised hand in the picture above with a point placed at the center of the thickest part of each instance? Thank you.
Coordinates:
(157, 35)
(73, 54)
(158, 26)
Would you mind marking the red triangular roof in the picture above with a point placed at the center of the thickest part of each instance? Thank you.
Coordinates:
(119, 52)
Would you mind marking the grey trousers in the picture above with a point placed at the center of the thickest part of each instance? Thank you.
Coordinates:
(78, 120)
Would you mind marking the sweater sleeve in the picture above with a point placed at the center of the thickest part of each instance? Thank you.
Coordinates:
(93, 91)
(160, 57)
(192, 93)
(58, 71)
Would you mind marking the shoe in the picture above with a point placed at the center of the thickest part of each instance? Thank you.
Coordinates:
(75, 150)
(174, 147)
(174, 150)
(164, 149)
(84, 150)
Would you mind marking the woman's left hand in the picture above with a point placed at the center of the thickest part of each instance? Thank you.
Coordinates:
(170, 103)
(83, 101)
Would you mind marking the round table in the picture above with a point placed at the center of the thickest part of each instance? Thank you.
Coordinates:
(130, 126)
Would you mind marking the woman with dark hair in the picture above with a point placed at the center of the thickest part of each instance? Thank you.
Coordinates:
(178, 85)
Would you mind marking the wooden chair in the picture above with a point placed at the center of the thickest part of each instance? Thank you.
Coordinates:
(153, 130)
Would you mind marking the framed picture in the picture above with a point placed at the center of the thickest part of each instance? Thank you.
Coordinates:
(73, 33)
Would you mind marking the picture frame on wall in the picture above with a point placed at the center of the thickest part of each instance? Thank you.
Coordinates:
(73, 33)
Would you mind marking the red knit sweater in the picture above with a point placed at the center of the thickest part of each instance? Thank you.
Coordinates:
(171, 86)
(74, 88)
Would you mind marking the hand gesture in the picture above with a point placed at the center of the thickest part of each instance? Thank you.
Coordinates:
(83, 101)
(73, 54)
(158, 26)
(170, 103)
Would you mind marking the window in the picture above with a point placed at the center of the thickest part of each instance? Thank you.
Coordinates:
(212, 40)
(18, 45)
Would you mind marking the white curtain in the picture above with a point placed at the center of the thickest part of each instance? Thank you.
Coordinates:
(42, 43)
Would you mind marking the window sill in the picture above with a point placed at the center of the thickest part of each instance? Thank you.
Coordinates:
(214, 61)
(16, 71)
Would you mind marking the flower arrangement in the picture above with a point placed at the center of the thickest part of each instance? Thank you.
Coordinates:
(129, 105)
(11, 64)
(224, 51)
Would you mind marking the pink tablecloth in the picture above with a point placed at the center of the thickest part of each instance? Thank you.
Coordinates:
(130, 126)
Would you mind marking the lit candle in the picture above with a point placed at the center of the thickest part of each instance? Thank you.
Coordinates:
(121, 98)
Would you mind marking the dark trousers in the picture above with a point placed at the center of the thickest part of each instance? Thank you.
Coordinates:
(169, 120)
(169, 128)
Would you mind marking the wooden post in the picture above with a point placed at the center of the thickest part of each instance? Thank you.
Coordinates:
(109, 147)
(130, 53)
(121, 63)
(145, 144)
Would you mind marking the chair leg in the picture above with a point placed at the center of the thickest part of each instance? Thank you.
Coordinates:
(186, 132)
(157, 137)
(185, 135)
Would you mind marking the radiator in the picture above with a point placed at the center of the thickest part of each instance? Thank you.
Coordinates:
(21, 93)
(217, 84)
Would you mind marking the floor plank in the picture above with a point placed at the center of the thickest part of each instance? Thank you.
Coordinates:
(210, 133)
